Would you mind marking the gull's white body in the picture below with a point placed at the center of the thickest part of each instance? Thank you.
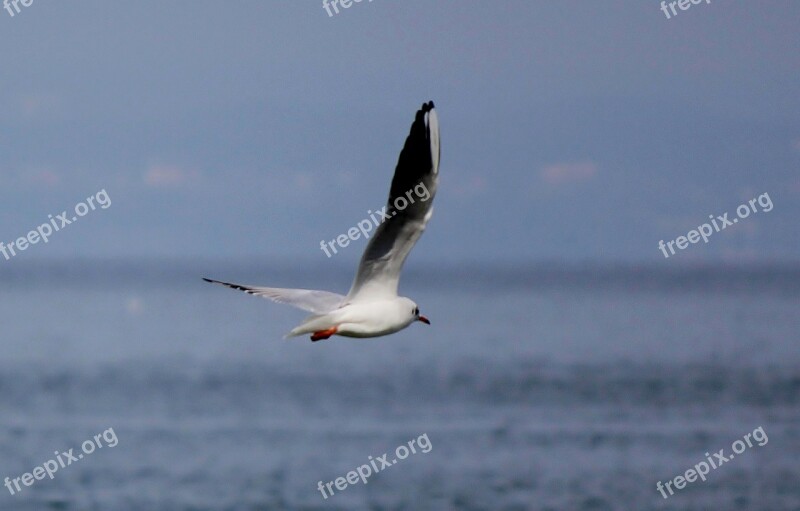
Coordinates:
(372, 308)
(373, 318)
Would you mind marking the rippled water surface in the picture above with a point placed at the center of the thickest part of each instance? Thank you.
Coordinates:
(547, 389)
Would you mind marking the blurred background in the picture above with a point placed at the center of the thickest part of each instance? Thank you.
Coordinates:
(569, 364)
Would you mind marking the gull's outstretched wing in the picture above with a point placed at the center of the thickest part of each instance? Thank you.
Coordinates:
(317, 302)
(409, 209)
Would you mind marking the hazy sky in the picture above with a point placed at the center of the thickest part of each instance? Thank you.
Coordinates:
(571, 130)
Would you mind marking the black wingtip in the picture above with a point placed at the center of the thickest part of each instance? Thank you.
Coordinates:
(208, 280)
(427, 107)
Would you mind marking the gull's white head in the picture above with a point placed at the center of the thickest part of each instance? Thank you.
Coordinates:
(413, 311)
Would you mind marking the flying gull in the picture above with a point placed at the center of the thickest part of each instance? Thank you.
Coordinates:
(372, 308)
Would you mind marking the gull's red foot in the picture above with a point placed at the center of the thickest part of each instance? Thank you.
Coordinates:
(323, 334)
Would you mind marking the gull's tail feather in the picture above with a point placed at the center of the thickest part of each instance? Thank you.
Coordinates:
(313, 323)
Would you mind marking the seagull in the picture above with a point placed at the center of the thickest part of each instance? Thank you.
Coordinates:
(373, 308)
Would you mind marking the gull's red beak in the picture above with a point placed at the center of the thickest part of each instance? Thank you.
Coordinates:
(424, 320)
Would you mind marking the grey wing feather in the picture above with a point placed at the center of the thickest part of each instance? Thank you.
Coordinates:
(417, 170)
(317, 302)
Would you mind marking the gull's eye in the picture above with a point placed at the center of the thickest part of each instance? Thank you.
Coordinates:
(416, 311)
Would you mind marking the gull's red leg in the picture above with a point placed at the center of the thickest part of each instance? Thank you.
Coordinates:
(323, 334)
